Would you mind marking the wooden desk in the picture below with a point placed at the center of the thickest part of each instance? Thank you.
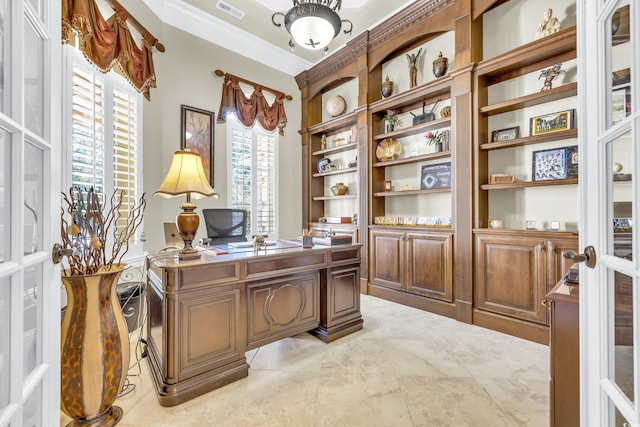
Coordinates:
(205, 314)
(564, 355)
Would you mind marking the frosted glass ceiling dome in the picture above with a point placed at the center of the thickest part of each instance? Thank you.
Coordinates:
(312, 24)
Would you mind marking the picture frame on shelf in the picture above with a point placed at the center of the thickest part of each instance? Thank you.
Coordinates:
(435, 176)
(196, 134)
(555, 163)
(620, 104)
(507, 134)
(554, 122)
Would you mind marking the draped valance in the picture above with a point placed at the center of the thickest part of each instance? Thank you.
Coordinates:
(107, 42)
(252, 109)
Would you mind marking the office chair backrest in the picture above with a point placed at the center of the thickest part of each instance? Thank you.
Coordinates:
(225, 225)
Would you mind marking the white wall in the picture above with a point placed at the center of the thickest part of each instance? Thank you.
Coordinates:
(184, 76)
(515, 23)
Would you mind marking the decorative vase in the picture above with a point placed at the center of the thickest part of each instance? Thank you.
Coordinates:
(389, 127)
(387, 87)
(336, 105)
(339, 189)
(440, 66)
(94, 349)
(438, 146)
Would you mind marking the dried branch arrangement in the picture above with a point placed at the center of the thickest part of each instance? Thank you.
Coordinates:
(86, 227)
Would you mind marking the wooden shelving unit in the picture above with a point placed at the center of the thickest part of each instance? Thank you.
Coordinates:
(523, 184)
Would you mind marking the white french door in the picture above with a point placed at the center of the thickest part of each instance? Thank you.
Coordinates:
(29, 212)
(609, 55)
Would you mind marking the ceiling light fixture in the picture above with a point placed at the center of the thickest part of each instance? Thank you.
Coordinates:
(313, 23)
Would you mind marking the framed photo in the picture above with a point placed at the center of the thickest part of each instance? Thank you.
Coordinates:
(555, 122)
(620, 104)
(435, 176)
(505, 134)
(556, 163)
(196, 134)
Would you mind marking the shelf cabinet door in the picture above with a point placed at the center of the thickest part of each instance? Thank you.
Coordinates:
(510, 276)
(430, 265)
(386, 258)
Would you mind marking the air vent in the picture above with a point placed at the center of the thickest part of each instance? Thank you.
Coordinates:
(225, 7)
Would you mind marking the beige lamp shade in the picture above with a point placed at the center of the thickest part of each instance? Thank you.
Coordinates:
(186, 176)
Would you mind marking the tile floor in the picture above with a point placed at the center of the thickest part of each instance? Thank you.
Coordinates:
(406, 367)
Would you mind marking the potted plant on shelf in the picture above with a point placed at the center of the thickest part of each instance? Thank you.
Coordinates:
(391, 119)
(435, 139)
(94, 334)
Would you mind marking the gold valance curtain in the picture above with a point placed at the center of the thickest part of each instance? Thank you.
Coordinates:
(107, 42)
(252, 109)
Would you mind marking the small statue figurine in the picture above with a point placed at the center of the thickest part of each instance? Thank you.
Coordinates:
(354, 218)
(550, 75)
(323, 142)
(548, 25)
(413, 69)
(259, 242)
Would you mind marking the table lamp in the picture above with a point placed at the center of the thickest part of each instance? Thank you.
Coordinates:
(186, 176)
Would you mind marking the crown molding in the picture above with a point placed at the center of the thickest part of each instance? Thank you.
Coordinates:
(196, 22)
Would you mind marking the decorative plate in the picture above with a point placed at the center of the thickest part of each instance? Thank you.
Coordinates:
(336, 105)
(388, 149)
(324, 165)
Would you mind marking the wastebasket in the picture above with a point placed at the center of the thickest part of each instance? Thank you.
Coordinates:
(129, 296)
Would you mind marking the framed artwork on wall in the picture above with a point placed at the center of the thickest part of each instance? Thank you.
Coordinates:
(196, 134)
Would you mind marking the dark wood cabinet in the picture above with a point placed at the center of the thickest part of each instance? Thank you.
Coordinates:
(564, 386)
(415, 262)
(511, 276)
(514, 271)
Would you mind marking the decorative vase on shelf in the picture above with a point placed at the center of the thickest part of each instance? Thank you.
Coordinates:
(339, 189)
(440, 66)
(94, 349)
(387, 88)
(438, 146)
(336, 105)
(389, 127)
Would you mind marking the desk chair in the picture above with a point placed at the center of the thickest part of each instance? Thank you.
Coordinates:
(225, 226)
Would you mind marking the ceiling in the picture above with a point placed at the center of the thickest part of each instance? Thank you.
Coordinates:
(255, 36)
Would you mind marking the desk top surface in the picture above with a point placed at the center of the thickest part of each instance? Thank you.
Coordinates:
(221, 253)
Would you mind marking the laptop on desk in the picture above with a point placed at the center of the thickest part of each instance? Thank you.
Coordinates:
(172, 237)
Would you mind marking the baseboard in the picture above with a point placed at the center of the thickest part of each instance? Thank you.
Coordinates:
(431, 305)
(510, 326)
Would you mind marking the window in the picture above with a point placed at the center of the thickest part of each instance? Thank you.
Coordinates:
(253, 166)
(104, 128)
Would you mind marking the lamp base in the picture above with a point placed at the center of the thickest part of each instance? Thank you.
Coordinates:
(187, 222)
(185, 256)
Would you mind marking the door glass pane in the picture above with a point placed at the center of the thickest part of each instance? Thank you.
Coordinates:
(33, 80)
(33, 181)
(622, 173)
(5, 42)
(32, 409)
(5, 323)
(32, 297)
(621, 65)
(622, 345)
(5, 194)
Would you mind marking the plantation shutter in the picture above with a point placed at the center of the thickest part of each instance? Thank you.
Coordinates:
(88, 149)
(253, 177)
(106, 116)
(265, 191)
(125, 152)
